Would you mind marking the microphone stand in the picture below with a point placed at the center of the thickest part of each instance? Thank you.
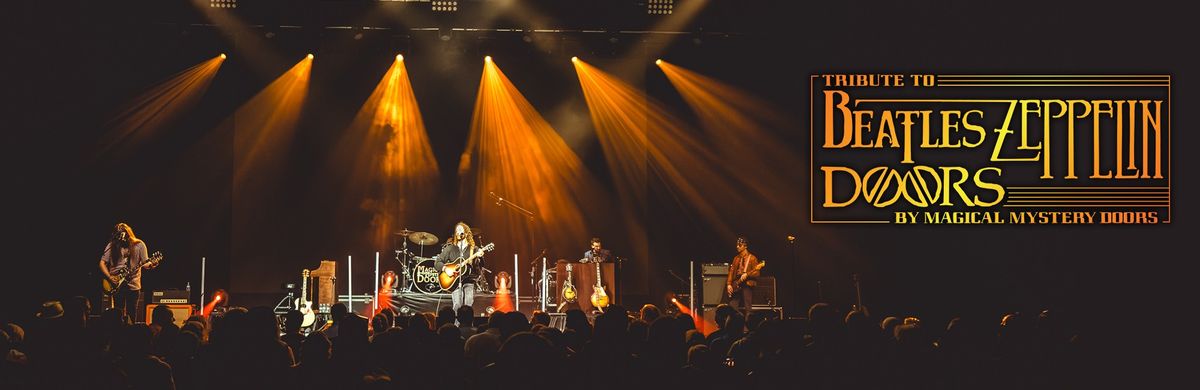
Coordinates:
(530, 216)
(795, 278)
(521, 210)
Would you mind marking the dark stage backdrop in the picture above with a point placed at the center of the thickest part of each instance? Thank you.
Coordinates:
(69, 68)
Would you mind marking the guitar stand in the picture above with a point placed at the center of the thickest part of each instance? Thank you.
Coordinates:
(285, 304)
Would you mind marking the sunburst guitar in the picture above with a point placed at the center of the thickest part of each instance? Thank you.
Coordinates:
(112, 286)
(452, 271)
(599, 297)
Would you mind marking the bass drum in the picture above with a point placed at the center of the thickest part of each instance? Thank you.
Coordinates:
(425, 276)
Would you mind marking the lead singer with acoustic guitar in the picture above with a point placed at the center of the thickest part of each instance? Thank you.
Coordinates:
(743, 272)
(460, 245)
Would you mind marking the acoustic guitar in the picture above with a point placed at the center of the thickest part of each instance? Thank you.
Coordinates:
(455, 269)
(304, 303)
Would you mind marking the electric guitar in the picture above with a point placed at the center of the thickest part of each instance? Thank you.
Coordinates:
(599, 297)
(741, 280)
(452, 271)
(568, 291)
(120, 275)
(303, 304)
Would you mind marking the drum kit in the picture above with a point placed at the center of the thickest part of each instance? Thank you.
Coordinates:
(418, 271)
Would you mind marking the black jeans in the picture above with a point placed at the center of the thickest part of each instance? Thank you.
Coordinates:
(129, 303)
(743, 298)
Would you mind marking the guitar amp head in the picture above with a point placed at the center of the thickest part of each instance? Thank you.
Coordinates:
(171, 296)
(714, 268)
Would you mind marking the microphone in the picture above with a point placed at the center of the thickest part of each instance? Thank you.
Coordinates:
(498, 199)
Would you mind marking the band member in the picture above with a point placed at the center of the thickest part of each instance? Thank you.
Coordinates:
(597, 253)
(460, 245)
(126, 255)
(741, 280)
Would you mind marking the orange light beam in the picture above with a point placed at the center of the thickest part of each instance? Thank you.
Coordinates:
(642, 141)
(513, 152)
(740, 123)
(264, 125)
(208, 308)
(394, 167)
(150, 111)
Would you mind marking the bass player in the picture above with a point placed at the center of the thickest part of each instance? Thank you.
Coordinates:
(743, 271)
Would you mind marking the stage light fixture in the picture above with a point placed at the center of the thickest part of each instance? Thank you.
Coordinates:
(444, 5)
(487, 58)
(399, 57)
(223, 56)
(222, 3)
(503, 283)
(220, 297)
(574, 59)
(660, 7)
(658, 62)
(389, 281)
(309, 56)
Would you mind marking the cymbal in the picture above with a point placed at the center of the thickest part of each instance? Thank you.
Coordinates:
(422, 238)
(404, 232)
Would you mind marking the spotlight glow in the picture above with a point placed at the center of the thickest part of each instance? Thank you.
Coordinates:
(310, 56)
(574, 59)
(487, 58)
(386, 163)
(155, 109)
(513, 151)
(222, 56)
(643, 142)
(743, 125)
(658, 62)
(218, 296)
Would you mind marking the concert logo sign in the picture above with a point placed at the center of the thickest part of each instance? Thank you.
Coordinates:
(933, 149)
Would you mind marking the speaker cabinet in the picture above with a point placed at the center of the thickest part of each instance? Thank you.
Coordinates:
(764, 292)
(181, 312)
(714, 291)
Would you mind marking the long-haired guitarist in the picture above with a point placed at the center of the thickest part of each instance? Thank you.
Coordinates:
(460, 245)
(121, 264)
(743, 271)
